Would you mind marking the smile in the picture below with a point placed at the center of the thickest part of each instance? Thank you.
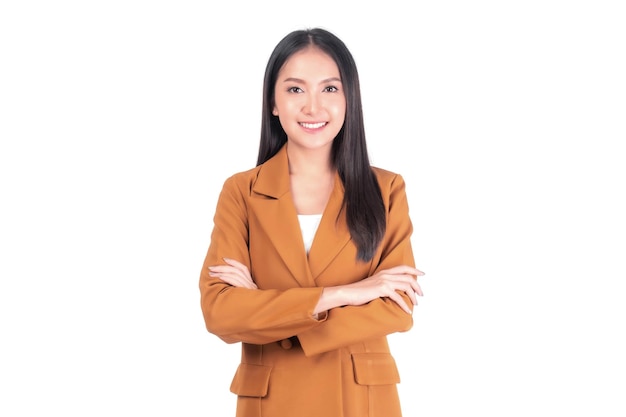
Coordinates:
(313, 125)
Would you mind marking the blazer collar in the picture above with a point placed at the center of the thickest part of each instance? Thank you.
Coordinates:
(273, 177)
(278, 217)
(332, 234)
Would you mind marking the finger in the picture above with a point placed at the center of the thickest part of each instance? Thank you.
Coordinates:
(239, 280)
(412, 281)
(403, 278)
(223, 268)
(412, 295)
(241, 267)
(403, 269)
(400, 301)
(227, 278)
(232, 270)
(409, 291)
(234, 280)
(232, 275)
(417, 288)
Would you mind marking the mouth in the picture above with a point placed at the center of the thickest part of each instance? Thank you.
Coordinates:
(313, 125)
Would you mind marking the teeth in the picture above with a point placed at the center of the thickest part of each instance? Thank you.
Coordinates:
(312, 125)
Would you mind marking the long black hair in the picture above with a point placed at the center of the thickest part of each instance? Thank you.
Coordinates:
(363, 202)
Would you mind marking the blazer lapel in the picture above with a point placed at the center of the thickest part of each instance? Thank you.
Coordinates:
(332, 234)
(277, 215)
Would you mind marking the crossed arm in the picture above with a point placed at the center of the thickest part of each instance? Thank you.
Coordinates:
(385, 283)
(236, 310)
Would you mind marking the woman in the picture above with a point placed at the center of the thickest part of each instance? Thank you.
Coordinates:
(310, 264)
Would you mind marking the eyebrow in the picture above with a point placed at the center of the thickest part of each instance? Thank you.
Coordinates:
(298, 80)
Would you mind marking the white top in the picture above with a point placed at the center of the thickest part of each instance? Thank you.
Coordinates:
(308, 227)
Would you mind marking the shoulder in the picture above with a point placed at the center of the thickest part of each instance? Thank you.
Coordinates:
(243, 177)
(388, 180)
(270, 179)
(241, 182)
(392, 189)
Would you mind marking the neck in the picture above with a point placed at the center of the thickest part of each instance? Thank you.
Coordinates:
(309, 162)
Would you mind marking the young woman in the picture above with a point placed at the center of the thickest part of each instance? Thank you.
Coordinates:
(310, 264)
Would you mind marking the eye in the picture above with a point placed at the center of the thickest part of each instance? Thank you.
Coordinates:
(331, 89)
(294, 90)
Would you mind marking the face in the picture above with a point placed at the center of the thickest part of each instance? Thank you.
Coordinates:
(309, 99)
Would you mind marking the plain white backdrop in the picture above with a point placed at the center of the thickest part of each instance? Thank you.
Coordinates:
(120, 120)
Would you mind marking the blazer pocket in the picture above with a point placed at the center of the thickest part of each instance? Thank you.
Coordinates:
(251, 380)
(375, 369)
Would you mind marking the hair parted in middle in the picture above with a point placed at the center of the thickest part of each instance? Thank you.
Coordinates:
(365, 210)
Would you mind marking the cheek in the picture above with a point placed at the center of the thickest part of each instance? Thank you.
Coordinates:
(339, 109)
(287, 106)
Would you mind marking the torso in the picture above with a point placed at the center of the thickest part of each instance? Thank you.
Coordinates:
(310, 194)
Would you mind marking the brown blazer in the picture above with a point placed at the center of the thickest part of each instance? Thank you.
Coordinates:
(292, 364)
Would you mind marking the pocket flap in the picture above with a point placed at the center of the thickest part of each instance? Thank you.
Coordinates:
(251, 380)
(375, 369)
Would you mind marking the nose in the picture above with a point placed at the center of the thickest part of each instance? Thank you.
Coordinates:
(311, 105)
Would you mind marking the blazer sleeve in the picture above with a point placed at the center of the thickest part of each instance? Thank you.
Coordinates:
(240, 314)
(353, 324)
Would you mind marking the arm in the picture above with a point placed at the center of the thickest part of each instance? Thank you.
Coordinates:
(245, 314)
(383, 315)
(391, 283)
(369, 308)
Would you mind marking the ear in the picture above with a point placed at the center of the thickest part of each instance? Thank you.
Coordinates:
(275, 111)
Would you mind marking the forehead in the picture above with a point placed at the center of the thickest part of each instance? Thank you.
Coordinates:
(310, 62)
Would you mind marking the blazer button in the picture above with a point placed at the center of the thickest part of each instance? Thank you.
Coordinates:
(286, 344)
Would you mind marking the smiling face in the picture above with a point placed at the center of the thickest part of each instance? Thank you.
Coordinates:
(309, 99)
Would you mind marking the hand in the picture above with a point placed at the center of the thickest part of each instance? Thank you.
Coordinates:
(234, 273)
(386, 283)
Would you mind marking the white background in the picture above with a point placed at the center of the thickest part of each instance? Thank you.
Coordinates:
(119, 121)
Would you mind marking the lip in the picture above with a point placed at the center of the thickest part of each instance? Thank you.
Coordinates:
(313, 126)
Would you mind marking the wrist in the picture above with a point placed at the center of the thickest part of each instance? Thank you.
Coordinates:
(331, 297)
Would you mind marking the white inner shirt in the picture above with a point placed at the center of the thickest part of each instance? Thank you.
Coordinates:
(308, 227)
